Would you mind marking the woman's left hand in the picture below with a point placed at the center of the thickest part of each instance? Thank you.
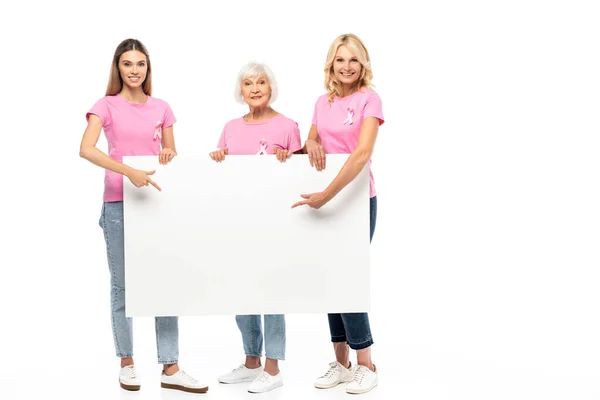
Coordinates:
(282, 154)
(313, 200)
(166, 155)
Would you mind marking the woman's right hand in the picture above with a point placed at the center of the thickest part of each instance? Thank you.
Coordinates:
(316, 154)
(141, 178)
(219, 155)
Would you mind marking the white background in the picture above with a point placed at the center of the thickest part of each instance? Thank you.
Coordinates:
(485, 259)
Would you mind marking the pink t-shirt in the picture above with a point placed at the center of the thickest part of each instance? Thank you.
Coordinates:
(130, 131)
(244, 138)
(339, 122)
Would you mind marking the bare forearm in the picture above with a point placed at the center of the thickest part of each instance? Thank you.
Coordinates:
(168, 139)
(313, 134)
(352, 167)
(97, 157)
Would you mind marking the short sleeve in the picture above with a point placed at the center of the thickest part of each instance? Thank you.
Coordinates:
(294, 141)
(373, 108)
(169, 118)
(222, 144)
(315, 112)
(100, 109)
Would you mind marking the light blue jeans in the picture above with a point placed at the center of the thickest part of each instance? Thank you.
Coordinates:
(252, 335)
(167, 328)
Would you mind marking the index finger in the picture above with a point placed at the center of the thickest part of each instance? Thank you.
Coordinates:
(154, 184)
(300, 203)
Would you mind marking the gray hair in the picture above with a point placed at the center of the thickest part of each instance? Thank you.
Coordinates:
(255, 70)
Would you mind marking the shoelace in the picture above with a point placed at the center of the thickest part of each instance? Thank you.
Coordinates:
(188, 378)
(359, 374)
(263, 377)
(239, 368)
(333, 368)
(130, 370)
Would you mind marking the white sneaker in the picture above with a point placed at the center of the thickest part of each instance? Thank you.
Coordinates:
(265, 383)
(336, 374)
(240, 374)
(182, 381)
(363, 380)
(128, 378)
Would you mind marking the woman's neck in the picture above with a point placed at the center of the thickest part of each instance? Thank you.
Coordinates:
(136, 95)
(347, 90)
(260, 114)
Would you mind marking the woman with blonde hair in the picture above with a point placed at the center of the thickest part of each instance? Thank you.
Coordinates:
(346, 120)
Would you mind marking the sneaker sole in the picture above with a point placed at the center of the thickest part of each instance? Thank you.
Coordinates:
(183, 388)
(331, 385)
(265, 391)
(360, 391)
(132, 388)
(243, 380)
(323, 386)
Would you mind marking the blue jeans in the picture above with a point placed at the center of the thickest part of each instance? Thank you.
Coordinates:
(167, 329)
(252, 335)
(354, 328)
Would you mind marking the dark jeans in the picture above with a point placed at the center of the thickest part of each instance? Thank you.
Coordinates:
(354, 327)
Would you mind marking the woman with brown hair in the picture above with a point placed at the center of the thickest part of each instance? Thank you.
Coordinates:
(135, 124)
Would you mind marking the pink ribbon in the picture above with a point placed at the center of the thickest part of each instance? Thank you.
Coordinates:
(263, 147)
(158, 131)
(350, 116)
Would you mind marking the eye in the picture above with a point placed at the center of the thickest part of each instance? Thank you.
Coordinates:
(247, 83)
(262, 82)
(142, 64)
(339, 60)
(354, 60)
(127, 64)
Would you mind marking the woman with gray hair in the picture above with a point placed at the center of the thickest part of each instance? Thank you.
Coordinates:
(262, 131)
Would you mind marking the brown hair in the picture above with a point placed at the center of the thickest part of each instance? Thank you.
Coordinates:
(115, 82)
(356, 46)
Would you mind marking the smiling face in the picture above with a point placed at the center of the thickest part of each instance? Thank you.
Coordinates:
(256, 91)
(133, 68)
(346, 67)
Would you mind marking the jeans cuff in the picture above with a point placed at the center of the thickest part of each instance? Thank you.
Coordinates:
(168, 362)
(361, 345)
(276, 357)
(337, 339)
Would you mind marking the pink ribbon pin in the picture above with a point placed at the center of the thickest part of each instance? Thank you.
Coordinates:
(263, 147)
(158, 130)
(350, 116)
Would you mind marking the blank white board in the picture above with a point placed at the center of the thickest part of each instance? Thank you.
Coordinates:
(222, 238)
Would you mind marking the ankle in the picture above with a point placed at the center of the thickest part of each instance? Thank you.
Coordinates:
(125, 362)
(271, 366)
(272, 370)
(170, 369)
(368, 364)
(252, 362)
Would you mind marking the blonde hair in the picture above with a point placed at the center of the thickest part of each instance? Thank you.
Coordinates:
(115, 82)
(356, 46)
